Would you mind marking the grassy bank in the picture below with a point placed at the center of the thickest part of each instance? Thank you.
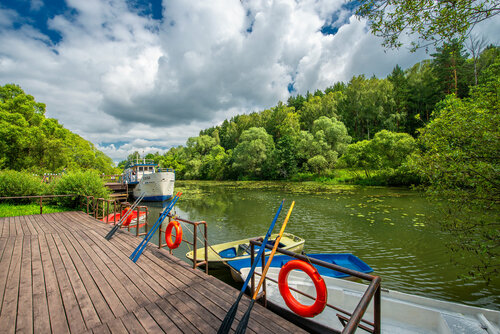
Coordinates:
(11, 210)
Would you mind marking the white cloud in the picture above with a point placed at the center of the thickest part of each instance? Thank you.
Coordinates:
(118, 77)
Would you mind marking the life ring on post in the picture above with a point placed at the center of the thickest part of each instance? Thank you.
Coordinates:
(178, 234)
(308, 311)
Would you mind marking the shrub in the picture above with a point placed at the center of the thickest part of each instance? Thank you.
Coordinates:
(87, 183)
(14, 183)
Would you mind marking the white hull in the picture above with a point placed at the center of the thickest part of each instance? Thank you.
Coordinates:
(401, 313)
(156, 186)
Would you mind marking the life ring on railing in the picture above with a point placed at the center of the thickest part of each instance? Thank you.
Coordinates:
(178, 234)
(308, 311)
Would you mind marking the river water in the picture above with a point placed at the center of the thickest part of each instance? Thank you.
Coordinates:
(393, 230)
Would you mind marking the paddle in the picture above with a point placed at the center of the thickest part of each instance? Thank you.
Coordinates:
(138, 251)
(228, 320)
(124, 218)
(242, 326)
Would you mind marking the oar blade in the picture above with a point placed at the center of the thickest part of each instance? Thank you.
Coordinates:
(242, 326)
(229, 318)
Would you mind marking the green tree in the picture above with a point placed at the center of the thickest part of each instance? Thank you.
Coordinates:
(30, 141)
(256, 146)
(460, 163)
(387, 150)
(433, 22)
(400, 95)
(423, 95)
(328, 139)
(317, 106)
(285, 164)
(451, 69)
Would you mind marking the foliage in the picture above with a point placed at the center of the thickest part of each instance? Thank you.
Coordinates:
(460, 162)
(250, 156)
(14, 183)
(28, 140)
(432, 21)
(387, 150)
(11, 210)
(88, 183)
(310, 136)
(451, 69)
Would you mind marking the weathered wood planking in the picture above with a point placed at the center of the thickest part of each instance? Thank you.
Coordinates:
(58, 274)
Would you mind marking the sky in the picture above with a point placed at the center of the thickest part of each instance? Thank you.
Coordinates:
(137, 75)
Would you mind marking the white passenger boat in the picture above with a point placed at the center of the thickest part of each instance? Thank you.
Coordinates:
(144, 176)
(400, 312)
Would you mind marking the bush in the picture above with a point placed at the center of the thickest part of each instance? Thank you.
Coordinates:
(87, 183)
(13, 183)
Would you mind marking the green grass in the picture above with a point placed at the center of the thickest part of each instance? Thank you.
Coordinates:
(11, 210)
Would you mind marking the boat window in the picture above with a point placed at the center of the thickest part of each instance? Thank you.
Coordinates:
(140, 169)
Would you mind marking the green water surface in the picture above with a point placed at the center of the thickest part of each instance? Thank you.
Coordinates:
(393, 230)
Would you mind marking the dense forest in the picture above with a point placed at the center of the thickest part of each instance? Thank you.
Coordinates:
(31, 142)
(368, 124)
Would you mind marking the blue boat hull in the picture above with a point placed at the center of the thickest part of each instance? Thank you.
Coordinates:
(345, 260)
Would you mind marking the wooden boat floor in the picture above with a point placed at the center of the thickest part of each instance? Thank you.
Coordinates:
(58, 274)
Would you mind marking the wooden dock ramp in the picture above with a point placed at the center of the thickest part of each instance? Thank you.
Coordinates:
(58, 274)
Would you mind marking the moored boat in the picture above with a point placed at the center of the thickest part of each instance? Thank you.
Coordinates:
(345, 260)
(240, 249)
(113, 219)
(401, 312)
(144, 176)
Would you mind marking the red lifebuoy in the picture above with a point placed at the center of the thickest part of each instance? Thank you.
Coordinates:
(308, 311)
(178, 234)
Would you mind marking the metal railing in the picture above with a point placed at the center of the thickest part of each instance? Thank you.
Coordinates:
(350, 324)
(112, 178)
(195, 225)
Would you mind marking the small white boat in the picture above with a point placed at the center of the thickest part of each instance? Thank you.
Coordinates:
(144, 176)
(400, 312)
(240, 249)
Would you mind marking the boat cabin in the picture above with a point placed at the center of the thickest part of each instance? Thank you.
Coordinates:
(137, 169)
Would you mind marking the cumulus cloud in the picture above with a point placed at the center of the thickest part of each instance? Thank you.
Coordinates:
(126, 81)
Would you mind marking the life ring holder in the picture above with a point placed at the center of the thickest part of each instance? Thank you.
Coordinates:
(307, 311)
(178, 234)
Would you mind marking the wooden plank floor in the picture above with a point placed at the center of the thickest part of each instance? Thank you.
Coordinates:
(58, 274)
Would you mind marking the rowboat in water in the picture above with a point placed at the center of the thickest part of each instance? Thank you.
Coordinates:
(240, 249)
(400, 312)
(112, 219)
(345, 260)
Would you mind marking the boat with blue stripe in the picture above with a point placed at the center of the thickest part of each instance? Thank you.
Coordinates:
(345, 260)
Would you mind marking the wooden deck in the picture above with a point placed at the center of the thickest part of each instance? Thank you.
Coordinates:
(58, 274)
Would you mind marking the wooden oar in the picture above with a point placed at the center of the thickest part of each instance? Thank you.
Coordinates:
(242, 326)
(228, 320)
(138, 251)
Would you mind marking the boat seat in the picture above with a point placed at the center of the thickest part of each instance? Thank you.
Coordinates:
(243, 248)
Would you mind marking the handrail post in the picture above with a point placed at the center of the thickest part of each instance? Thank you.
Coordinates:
(376, 312)
(41, 210)
(195, 237)
(206, 246)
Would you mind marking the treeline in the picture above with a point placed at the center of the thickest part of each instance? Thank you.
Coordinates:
(31, 142)
(367, 123)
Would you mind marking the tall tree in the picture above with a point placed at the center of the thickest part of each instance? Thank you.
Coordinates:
(400, 96)
(450, 67)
